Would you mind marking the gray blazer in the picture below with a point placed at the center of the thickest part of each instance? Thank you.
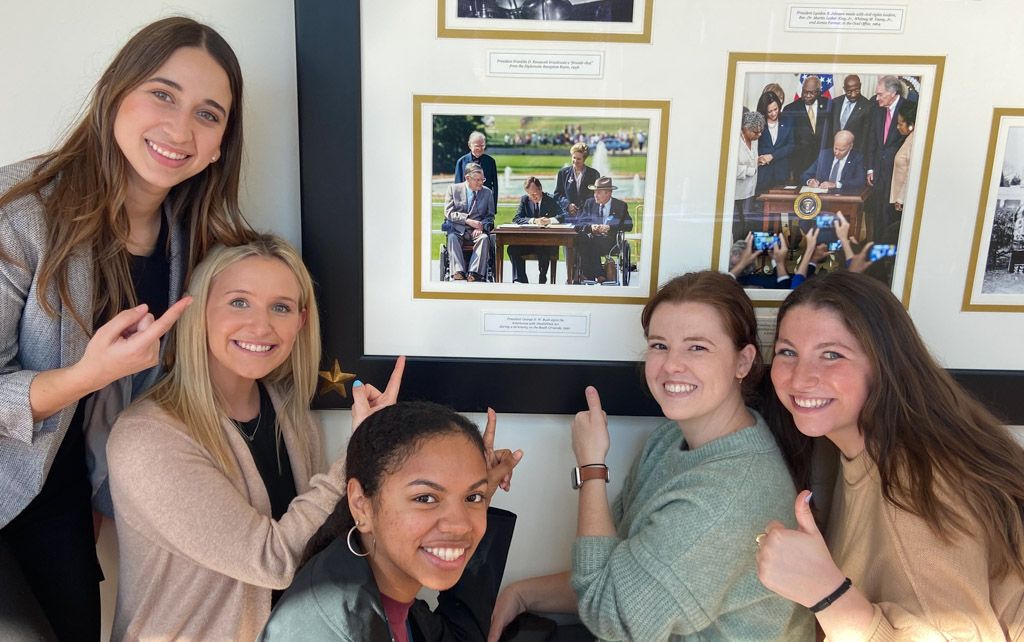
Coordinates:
(32, 341)
(457, 210)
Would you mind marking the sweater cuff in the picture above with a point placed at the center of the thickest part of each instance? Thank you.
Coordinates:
(591, 554)
(16, 407)
(880, 630)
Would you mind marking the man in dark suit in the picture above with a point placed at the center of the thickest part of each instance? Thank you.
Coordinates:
(840, 168)
(809, 118)
(571, 189)
(477, 145)
(601, 219)
(886, 140)
(469, 210)
(852, 112)
(535, 208)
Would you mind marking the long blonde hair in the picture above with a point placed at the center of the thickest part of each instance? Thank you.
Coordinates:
(187, 392)
(89, 178)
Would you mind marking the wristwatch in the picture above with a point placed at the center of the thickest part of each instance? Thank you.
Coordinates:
(587, 472)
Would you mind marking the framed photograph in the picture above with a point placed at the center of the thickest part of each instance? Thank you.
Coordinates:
(570, 20)
(807, 137)
(995, 280)
(527, 146)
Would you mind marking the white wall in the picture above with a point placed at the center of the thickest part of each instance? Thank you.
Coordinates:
(55, 50)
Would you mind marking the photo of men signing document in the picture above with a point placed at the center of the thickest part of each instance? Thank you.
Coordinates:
(537, 199)
(823, 152)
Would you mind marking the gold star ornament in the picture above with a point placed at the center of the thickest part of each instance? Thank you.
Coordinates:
(334, 379)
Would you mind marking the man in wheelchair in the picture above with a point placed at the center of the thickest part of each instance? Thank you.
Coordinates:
(469, 212)
(597, 228)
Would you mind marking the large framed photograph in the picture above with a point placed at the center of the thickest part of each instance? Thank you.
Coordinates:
(808, 137)
(995, 282)
(571, 212)
(570, 20)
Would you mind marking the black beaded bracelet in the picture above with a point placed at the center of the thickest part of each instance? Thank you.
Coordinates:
(833, 596)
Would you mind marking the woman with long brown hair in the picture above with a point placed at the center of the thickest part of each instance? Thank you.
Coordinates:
(926, 529)
(96, 239)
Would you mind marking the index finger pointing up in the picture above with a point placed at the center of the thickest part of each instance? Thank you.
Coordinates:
(492, 422)
(594, 403)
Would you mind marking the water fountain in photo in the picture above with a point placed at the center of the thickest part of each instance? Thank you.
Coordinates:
(599, 160)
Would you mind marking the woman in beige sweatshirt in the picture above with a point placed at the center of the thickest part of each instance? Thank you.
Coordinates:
(212, 473)
(926, 531)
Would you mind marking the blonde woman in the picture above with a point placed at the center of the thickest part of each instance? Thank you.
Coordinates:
(212, 474)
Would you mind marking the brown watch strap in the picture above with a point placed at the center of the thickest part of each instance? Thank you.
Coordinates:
(586, 473)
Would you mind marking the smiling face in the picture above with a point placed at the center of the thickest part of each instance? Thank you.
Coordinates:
(427, 517)
(822, 376)
(773, 112)
(252, 320)
(578, 158)
(692, 366)
(477, 145)
(169, 128)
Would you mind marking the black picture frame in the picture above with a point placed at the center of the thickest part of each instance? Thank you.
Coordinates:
(327, 36)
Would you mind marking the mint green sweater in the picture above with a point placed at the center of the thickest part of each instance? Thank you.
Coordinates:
(683, 566)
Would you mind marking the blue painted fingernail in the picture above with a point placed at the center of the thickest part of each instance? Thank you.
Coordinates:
(357, 383)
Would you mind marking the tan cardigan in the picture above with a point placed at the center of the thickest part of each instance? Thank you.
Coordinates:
(922, 588)
(199, 553)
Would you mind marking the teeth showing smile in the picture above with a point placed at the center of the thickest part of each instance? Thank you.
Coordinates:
(811, 403)
(447, 554)
(253, 347)
(680, 387)
(164, 152)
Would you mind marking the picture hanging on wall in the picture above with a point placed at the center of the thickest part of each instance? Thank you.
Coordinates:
(570, 198)
(567, 20)
(836, 147)
(995, 280)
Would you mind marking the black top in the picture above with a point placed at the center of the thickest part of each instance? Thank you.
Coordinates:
(151, 275)
(270, 457)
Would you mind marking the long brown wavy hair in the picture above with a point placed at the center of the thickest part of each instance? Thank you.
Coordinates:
(924, 432)
(84, 208)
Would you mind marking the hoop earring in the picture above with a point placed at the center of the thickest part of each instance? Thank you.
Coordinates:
(348, 540)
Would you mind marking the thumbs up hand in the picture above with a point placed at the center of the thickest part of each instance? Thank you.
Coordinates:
(796, 564)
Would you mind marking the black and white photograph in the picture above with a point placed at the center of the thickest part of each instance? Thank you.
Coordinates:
(821, 162)
(580, 20)
(996, 279)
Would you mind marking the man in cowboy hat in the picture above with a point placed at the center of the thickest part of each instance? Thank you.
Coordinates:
(597, 225)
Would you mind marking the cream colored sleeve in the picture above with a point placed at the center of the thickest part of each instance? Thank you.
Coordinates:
(949, 581)
(168, 488)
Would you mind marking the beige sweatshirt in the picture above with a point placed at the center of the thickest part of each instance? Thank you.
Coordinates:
(199, 553)
(922, 587)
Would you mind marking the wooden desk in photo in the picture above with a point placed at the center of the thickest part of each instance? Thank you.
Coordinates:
(780, 201)
(533, 235)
